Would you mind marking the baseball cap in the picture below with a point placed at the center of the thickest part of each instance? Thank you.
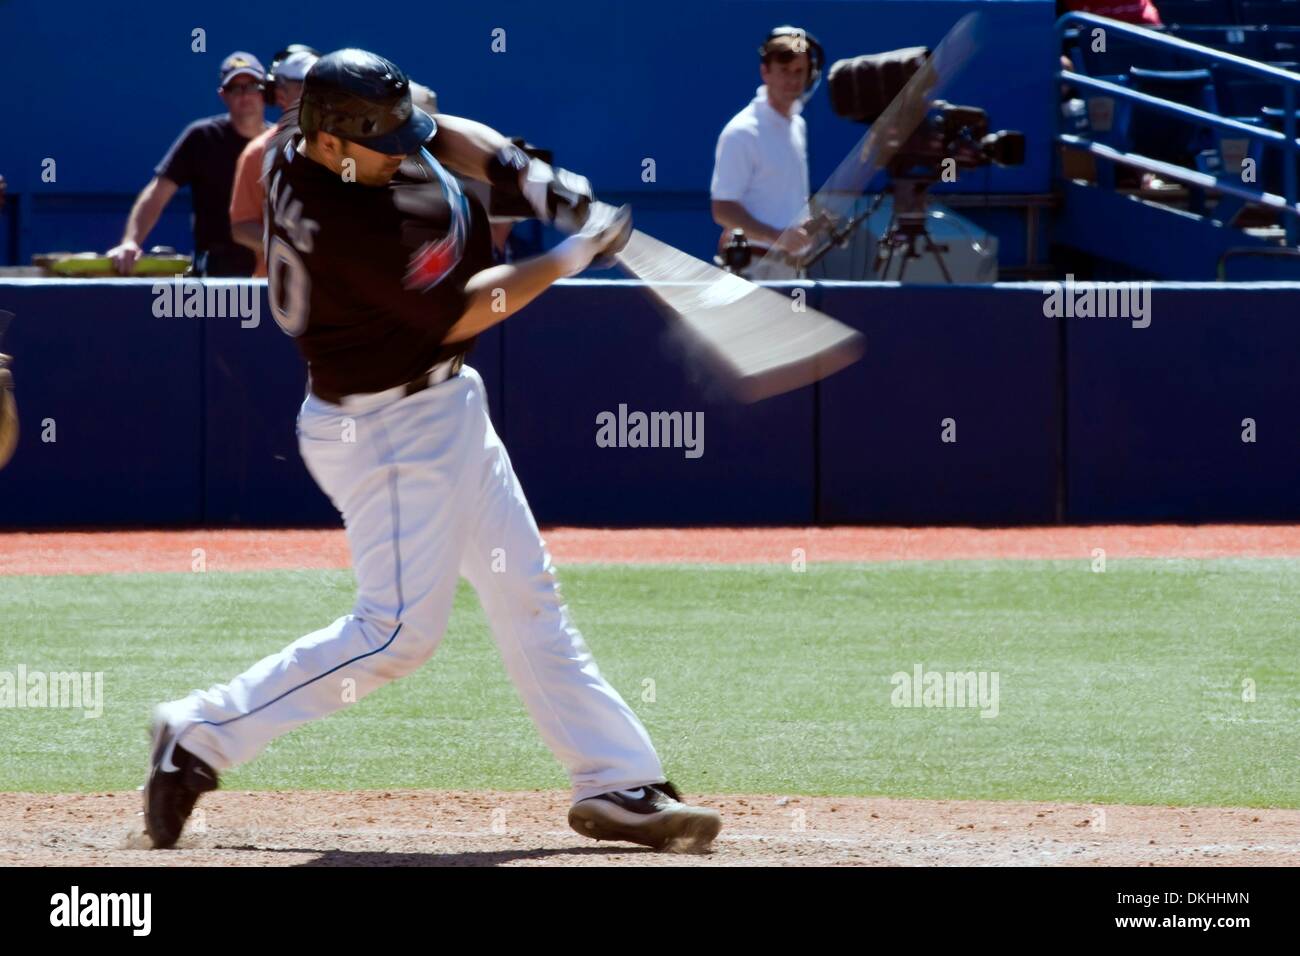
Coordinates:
(239, 63)
(294, 67)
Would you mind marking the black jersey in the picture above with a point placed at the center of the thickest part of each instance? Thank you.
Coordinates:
(368, 279)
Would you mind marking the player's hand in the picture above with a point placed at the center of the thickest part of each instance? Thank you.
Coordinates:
(124, 256)
(604, 234)
(556, 195)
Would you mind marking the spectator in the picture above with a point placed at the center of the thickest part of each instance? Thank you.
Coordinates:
(760, 171)
(1141, 12)
(248, 195)
(203, 158)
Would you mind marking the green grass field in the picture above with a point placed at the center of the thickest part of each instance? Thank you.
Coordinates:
(1119, 687)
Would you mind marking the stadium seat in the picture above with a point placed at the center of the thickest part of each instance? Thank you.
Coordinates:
(1242, 96)
(1262, 43)
(1269, 12)
(1275, 117)
(1120, 55)
(1167, 137)
(1279, 43)
(1270, 162)
(1213, 12)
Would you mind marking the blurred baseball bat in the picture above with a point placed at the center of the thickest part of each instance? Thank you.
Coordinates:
(836, 202)
(762, 343)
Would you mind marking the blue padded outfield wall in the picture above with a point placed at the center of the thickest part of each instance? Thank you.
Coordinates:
(984, 357)
(180, 421)
(605, 85)
(1155, 415)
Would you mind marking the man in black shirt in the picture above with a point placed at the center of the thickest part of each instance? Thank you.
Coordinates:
(380, 266)
(203, 158)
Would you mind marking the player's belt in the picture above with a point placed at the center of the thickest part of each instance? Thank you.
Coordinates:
(435, 376)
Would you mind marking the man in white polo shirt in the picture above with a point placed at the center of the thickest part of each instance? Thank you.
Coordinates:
(760, 169)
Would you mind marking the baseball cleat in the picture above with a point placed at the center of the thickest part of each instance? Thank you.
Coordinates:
(173, 787)
(652, 816)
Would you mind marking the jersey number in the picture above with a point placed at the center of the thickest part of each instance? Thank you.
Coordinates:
(288, 293)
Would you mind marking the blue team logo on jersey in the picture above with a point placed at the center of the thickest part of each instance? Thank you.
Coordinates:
(434, 260)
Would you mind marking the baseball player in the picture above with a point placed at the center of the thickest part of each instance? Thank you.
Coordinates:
(380, 267)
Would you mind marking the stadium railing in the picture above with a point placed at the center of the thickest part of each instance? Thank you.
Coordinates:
(1221, 180)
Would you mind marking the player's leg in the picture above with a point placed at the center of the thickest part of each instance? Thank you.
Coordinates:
(396, 475)
(584, 721)
(619, 789)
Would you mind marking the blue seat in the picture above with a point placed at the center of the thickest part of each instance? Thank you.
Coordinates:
(1240, 95)
(1167, 137)
(1213, 12)
(1269, 12)
(1270, 163)
(1120, 54)
(1278, 43)
(1275, 118)
(1263, 43)
(1189, 87)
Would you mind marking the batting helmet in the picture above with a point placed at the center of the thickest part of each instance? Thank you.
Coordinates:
(364, 99)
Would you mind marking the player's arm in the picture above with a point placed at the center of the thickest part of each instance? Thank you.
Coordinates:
(495, 294)
(153, 199)
(465, 146)
(522, 187)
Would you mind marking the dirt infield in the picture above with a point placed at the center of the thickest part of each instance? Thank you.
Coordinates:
(162, 551)
(448, 828)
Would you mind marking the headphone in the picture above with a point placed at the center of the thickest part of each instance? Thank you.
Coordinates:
(816, 55)
(268, 85)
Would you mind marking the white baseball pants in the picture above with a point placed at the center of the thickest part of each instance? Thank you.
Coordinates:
(427, 493)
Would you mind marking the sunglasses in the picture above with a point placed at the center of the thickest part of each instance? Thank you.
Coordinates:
(239, 89)
(785, 56)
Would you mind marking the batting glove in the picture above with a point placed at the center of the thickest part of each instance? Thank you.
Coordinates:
(604, 234)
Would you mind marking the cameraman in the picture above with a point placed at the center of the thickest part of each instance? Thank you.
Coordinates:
(760, 170)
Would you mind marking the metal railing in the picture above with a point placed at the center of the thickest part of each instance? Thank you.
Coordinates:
(1208, 57)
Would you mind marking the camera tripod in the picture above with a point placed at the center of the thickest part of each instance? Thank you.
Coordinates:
(907, 228)
(905, 238)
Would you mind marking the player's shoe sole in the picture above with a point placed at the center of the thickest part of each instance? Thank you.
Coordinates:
(657, 819)
(172, 789)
